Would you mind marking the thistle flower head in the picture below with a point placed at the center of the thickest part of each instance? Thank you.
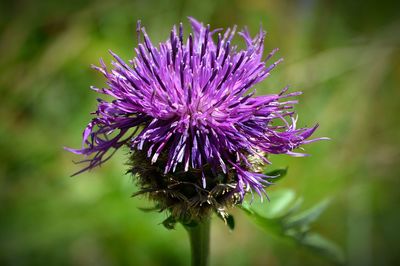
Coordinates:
(187, 111)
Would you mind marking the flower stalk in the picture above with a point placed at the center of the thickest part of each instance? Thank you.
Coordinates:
(199, 236)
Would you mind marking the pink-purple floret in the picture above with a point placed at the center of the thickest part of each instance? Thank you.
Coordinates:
(194, 101)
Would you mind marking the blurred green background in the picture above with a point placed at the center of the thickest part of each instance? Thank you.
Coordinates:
(344, 55)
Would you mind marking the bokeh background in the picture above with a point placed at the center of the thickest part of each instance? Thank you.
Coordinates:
(344, 55)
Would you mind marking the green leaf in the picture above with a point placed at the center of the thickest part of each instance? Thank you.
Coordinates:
(305, 218)
(230, 221)
(169, 223)
(246, 207)
(324, 247)
(277, 173)
(270, 225)
(294, 208)
(227, 219)
(278, 218)
(278, 205)
(149, 209)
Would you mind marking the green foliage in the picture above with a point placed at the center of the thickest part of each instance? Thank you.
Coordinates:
(169, 223)
(150, 209)
(323, 246)
(282, 218)
(277, 174)
(230, 221)
(303, 219)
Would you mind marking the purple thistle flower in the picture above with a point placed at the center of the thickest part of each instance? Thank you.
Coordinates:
(192, 101)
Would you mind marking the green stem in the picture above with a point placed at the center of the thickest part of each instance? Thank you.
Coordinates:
(199, 235)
